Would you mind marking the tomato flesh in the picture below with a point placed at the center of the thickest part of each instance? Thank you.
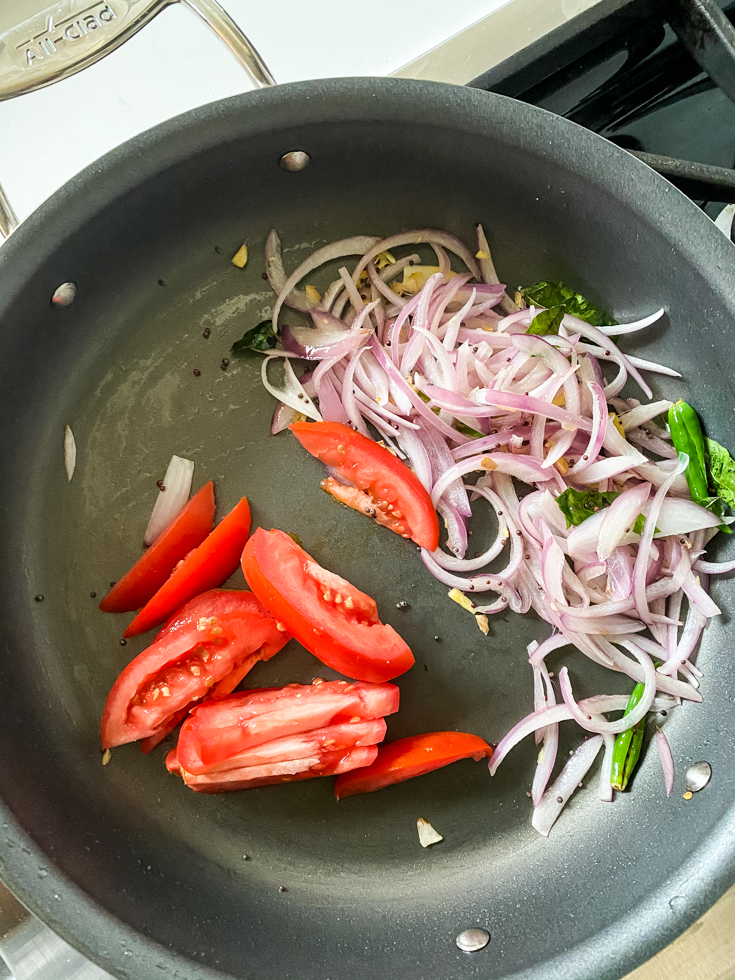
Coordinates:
(328, 764)
(326, 614)
(410, 757)
(280, 734)
(208, 641)
(380, 485)
(148, 574)
(228, 728)
(202, 569)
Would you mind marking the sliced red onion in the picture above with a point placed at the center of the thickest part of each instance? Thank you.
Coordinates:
(418, 457)
(530, 406)
(593, 724)
(640, 437)
(488, 273)
(283, 416)
(619, 517)
(699, 598)
(554, 642)
(644, 413)
(277, 277)
(522, 467)
(606, 790)
(292, 393)
(599, 425)
(558, 794)
(604, 469)
(396, 378)
(336, 250)
(644, 548)
(330, 403)
(667, 760)
(349, 401)
(622, 328)
(70, 452)
(548, 753)
(678, 517)
(303, 342)
(657, 474)
(596, 335)
(552, 567)
(620, 573)
(477, 583)
(171, 500)
(427, 236)
(527, 726)
(713, 567)
(442, 459)
(456, 529)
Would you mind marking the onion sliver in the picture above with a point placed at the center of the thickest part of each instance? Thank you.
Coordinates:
(172, 497)
(667, 760)
(557, 795)
(593, 724)
(348, 246)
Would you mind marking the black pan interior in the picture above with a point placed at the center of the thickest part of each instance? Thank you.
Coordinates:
(150, 879)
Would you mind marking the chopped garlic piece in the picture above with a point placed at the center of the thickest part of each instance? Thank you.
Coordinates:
(313, 294)
(562, 466)
(617, 423)
(461, 599)
(70, 452)
(559, 399)
(482, 254)
(106, 756)
(427, 834)
(488, 464)
(482, 622)
(240, 257)
(382, 259)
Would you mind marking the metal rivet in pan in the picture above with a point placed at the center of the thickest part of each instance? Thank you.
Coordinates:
(472, 940)
(295, 160)
(697, 776)
(64, 295)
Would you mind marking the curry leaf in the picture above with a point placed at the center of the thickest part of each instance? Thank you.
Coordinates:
(559, 299)
(722, 471)
(578, 505)
(547, 321)
(259, 338)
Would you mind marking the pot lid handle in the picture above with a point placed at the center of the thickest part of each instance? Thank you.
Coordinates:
(62, 39)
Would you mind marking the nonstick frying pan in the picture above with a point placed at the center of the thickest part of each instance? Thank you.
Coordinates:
(149, 879)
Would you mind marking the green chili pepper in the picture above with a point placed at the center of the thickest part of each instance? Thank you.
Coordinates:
(687, 437)
(628, 744)
(686, 434)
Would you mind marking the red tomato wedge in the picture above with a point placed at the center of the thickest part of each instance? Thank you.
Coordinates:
(207, 647)
(412, 756)
(278, 735)
(331, 618)
(326, 764)
(227, 729)
(151, 570)
(205, 568)
(381, 486)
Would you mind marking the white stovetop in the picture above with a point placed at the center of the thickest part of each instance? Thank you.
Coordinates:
(175, 63)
